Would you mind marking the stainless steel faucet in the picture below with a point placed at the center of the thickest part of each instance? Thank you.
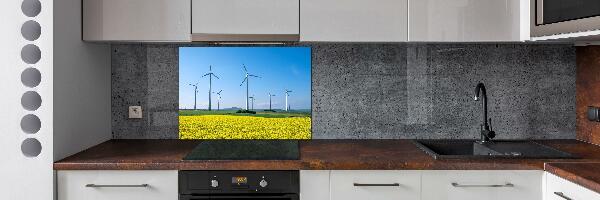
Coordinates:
(487, 134)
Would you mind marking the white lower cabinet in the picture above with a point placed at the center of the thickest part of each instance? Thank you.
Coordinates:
(117, 185)
(560, 189)
(314, 184)
(421, 185)
(482, 185)
(375, 185)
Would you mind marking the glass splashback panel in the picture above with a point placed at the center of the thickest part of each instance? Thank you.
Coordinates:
(245, 93)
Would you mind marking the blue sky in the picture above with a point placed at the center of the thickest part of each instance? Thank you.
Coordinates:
(280, 68)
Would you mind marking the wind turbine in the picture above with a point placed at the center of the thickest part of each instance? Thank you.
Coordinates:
(195, 93)
(219, 100)
(270, 95)
(247, 80)
(286, 99)
(252, 98)
(210, 75)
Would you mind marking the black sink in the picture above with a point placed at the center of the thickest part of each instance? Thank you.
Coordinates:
(470, 149)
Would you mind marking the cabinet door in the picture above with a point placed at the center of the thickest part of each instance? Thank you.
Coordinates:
(314, 184)
(468, 20)
(354, 20)
(117, 185)
(560, 189)
(478, 185)
(375, 185)
(215, 19)
(136, 20)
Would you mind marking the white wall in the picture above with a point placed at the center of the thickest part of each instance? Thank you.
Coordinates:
(82, 109)
(21, 177)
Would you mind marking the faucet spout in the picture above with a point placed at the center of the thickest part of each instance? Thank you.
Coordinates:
(480, 94)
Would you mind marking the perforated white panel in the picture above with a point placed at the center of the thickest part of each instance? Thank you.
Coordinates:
(25, 169)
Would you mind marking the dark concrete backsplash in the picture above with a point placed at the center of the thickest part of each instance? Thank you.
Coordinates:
(372, 91)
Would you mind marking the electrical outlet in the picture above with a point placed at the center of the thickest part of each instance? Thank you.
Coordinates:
(135, 112)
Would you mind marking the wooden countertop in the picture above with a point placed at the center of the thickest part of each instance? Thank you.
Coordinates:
(584, 174)
(331, 155)
(314, 155)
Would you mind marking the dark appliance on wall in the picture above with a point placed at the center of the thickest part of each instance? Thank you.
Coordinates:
(237, 185)
(551, 17)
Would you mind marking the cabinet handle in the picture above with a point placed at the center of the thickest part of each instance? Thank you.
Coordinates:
(115, 186)
(376, 184)
(562, 195)
(493, 185)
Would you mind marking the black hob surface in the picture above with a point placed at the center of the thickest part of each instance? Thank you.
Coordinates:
(245, 150)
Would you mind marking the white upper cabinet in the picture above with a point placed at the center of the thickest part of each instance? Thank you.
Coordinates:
(136, 20)
(354, 20)
(307, 20)
(469, 20)
(245, 20)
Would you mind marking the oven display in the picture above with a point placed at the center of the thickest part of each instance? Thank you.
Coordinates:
(239, 180)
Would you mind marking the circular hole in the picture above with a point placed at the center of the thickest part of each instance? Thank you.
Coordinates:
(31, 30)
(31, 100)
(31, 8)
(31, 147)
(31, 77)
(31, 124)
(31, 54)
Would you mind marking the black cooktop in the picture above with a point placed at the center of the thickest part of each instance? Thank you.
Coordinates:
(245, 150)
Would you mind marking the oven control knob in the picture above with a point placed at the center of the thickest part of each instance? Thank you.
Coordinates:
(263, 183)
(214, 183)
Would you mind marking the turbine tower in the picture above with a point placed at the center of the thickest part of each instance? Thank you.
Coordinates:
(210, 75)
(219, 100)
(286, 99)
(247, 80)
(195, 93)
(252, 100)
(270, 95)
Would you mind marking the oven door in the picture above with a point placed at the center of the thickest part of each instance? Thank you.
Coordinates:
(551, 17)
(240, 197)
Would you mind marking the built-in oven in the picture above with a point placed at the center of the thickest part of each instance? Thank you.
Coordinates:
(237, 185)
(552, 17)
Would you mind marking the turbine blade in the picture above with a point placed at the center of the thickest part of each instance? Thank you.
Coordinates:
(215, 76)
(246, 70)
(206, 75)
(254, 75)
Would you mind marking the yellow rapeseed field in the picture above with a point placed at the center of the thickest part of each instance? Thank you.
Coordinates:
(243, 127)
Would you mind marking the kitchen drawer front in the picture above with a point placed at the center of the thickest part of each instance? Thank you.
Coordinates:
(478, 185)
(120, 185)
(560, 189)
(396, 185)
(314, 184)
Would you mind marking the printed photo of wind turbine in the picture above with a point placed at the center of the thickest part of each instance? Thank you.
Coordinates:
(244, 93)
